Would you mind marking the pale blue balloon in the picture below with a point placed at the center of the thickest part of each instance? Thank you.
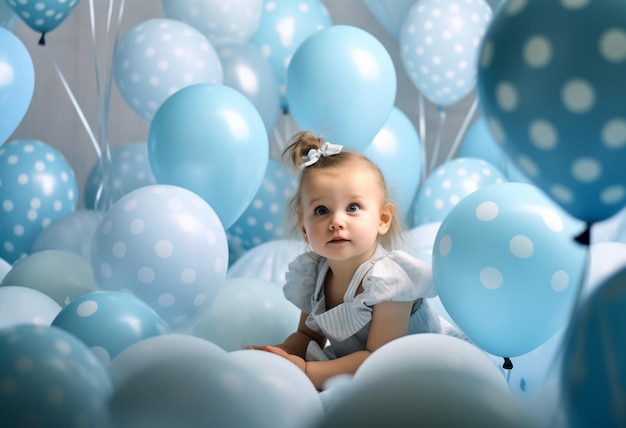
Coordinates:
(390, 14)
(43, 16)
(265, 218)
(557, 111)
(24, 305)
(507, 267)
(50, 377)
(210, 139)
(165, 245)
(37, 186)
(128, 169)
(341, 83)
(284, 25)
(5, 267)
(72, 232)
(221, 21)
(17, 82)
(249, 72)
(247, 311)
(158, 57)
(439, 43)
(397, 151)
(594, 348)
(479, 142)
(448, 184)
(108, 322)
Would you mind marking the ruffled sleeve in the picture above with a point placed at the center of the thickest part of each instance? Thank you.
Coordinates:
(301, 278)
(397, 277)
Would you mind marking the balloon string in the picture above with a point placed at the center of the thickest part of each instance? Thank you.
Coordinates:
(435, 155)
(421, 130)
(70, 94)
(462, 129)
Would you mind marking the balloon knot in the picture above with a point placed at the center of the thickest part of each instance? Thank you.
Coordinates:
(508, 365)
(585, 237)
(42, 39)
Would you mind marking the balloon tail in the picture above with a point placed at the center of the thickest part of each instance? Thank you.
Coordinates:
(70, 94)
(507, 364)
(435, 154)
(42, 39)
(462, 129)
(585, 236)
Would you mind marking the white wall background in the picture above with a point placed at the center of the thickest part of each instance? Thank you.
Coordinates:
(53, 119)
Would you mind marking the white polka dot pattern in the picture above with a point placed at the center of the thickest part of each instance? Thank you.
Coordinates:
(507, 268)
(43, 16)
(557, 111)
(167, 246)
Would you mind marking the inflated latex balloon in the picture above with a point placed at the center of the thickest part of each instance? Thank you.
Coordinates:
(109, 322)
(43, 16)
(50, 378)
(341, 83)
(247, 311)
(165, 245)
(37, 186)
(553, 98)
(210, 139)
(501, 250)
(62, 275)
(8, 18)
(221, 21)
(17, 81)
(390, 14)
(23, 305)
(479, 142)
(73, 232)
(158, 57)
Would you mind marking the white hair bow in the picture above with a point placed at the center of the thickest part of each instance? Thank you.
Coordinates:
(314, 155)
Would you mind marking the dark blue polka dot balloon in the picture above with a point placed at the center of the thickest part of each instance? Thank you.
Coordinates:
(37, 186)
(551, 83)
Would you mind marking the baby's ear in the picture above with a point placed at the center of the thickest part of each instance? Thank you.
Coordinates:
(386, 215)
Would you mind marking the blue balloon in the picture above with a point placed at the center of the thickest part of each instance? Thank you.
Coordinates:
(397, 151)
(448, 184)
(592, 375)
(390, 14)
(507, 267)
(439, 41)
(248, 71)
(157, 58)
(558, 111)
(210, 139)
(479, 142)
(17, 82)
(73, 233)
(24, 305)
(50, 378)
(264, 219)
(128, 169)
(341, 83)
(108, 322)
(43, 16)
(225, 21)
(37, 186)
(284, 25)
(165, 245)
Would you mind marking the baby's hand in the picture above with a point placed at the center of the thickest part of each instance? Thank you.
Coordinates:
(297, 360)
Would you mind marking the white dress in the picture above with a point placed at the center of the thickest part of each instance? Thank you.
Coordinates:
(387, 276)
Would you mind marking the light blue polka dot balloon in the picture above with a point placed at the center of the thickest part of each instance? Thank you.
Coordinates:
(165, 245)
(592, 374)
(109, 322)
(284, 25)
(43, 16)
(507, 267)
(439, 41)
(553, 96)
(128, 169)
(448, 184)
(37, 186)
(157, 58)
(50, 378)
(264, 219)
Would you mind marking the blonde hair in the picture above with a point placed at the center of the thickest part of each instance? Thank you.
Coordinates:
(296, 154)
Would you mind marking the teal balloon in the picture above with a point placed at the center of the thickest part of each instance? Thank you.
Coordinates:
(211, 140)
(17, 82)
(43, 16)
(341, 83)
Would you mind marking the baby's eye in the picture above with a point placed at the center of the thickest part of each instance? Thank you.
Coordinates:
(321, 210)
(352, 208)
